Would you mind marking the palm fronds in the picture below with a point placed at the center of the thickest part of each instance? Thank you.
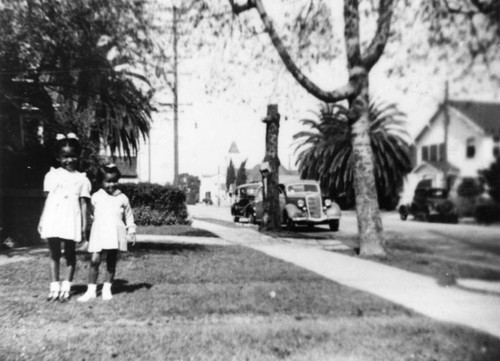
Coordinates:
(324, 152)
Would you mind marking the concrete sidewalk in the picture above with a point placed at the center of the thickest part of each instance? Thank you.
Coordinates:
(419, 293)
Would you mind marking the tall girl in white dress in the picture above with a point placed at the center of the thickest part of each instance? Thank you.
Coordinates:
(113, 224)
(64, 217)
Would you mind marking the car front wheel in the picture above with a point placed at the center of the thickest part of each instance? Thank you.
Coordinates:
(334, 225)
(290, 225)
(251, 219)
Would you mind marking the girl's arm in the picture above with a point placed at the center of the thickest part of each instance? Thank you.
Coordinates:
(84, 209)
(129, 221)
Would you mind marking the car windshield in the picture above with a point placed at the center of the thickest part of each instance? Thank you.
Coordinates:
(302, 188)
(437, 193)
(248, 191)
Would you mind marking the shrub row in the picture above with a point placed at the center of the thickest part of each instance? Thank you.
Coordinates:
(487, 213)
(156, 205)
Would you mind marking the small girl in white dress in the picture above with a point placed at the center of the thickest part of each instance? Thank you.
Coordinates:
(113, 224)
(64, 217)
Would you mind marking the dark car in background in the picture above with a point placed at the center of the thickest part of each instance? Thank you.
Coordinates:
(430, 204)
(244, 202)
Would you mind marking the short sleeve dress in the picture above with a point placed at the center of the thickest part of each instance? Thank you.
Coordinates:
(113, 217)
(62, 216)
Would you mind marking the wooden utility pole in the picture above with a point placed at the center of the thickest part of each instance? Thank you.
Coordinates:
(270, 172)
(176, 102)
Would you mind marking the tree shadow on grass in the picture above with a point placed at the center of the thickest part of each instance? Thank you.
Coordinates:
(170, 248)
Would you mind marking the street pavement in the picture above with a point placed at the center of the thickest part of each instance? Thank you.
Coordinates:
(477, 309)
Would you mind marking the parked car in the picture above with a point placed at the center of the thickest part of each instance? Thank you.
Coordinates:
(430, 204)
(301, 203)
(244, 201)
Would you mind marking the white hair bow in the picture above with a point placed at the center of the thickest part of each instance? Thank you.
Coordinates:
(67, 136)
(111, 165)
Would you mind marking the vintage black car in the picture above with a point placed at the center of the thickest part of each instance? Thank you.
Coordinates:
(301, 203)
(244, 201)
(430, 204)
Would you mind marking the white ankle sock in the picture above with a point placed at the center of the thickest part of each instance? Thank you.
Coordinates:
(66, 286)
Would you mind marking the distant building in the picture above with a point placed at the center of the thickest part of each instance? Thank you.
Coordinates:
(213, 186)
(467, 143)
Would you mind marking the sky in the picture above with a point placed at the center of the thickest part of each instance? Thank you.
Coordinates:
(209, 122)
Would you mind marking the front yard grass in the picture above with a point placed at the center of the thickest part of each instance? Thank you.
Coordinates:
(175, 230)
(193, 302)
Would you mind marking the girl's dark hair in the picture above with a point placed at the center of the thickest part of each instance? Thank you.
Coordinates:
(109, 169)
(68, 142)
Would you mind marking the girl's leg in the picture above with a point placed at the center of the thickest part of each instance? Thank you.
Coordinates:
(70, 255)
(55, 255)
(111, 259)
(95, 261)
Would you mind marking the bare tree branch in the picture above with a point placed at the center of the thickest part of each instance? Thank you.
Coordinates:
(379, 40)
(341, 93)
(239, 8)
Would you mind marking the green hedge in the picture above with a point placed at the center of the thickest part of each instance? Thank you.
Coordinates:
(156, 205)
(487, 213)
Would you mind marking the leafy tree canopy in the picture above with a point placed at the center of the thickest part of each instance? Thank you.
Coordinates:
(230, 175)
(190, 185)
(83, 53)
(241, 176)
(492, 178)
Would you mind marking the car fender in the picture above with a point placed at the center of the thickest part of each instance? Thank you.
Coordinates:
(333, 211)
(291, 209)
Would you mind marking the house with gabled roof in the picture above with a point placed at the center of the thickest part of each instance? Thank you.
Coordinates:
(461, 138)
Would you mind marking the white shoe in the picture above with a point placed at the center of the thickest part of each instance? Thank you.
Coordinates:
(55, 287)
(65, 293)
(89, 295)
(106, 291)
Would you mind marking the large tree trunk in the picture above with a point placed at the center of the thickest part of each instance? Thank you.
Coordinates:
(367, 210)
(272, 216)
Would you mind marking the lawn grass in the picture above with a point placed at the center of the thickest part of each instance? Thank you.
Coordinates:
(440, 256)
(175, 230)
(443, 258)
(193, 302)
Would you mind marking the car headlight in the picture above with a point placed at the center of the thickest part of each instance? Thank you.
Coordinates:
(300, 203)
(328, 202)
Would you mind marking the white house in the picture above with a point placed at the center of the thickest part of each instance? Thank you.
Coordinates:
(460, 139)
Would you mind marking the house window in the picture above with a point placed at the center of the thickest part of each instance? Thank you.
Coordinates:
(471, 148)
(425, 153)
(434, 153)
(441, 157)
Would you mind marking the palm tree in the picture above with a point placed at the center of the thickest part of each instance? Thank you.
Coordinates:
(325, 151)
